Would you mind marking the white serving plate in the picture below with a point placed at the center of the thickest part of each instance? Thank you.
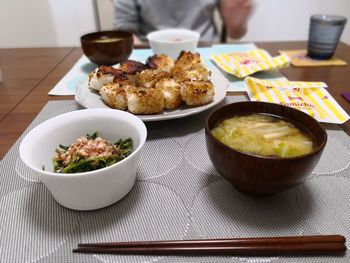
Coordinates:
(91, 99)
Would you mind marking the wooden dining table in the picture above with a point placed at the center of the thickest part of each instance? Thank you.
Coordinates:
(28, 74)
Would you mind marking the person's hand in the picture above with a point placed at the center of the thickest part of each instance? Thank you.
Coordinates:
(235, 14)
(137, 41)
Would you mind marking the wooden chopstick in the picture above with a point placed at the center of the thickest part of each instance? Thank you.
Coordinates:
(231, 241)
(294, 245)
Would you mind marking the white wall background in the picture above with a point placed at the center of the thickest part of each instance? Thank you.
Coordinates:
(44, 23)
(39, 23)
(289, 19)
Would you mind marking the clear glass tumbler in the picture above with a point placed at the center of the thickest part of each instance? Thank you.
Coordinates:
(324, 34)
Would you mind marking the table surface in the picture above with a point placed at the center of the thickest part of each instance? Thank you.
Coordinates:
(30, 73)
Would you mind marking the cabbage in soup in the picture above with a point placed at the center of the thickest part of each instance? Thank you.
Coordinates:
(263, 135)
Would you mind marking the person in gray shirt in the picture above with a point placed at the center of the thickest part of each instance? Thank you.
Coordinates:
(144, 16)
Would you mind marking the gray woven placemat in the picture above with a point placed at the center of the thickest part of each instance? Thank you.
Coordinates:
(178, 195)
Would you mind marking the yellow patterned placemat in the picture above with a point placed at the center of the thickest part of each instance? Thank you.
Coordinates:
(310, 97)
(242, 64)
(300, 59)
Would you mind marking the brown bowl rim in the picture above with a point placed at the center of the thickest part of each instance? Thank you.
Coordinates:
(313, 152)
(88, 36)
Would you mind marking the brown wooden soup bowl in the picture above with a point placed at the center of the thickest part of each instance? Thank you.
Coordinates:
(107, 47)
(258, 175)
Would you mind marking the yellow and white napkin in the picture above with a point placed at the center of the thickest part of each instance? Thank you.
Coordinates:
(310, 97)
(242, 64)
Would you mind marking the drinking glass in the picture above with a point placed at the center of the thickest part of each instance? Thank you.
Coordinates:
(324, 34)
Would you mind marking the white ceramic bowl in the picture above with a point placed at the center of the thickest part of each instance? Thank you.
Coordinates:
(172, 41)
(89, 190)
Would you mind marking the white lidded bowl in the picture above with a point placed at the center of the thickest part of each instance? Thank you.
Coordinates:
(87, 190)
(172, 41)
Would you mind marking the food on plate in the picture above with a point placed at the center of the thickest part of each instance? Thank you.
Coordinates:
(114, 95)
(144, 101)
(171, 93)
(263, 135)
(89, 153)
(197, 92)
(160, 84)
(149, 77)
(161, 62)
(105, 74)
(189, 66)
(132, 68)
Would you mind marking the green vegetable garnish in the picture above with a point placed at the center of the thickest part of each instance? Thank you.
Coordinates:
(90, 153)
(91, 137)
(125, 146)
(63, 147)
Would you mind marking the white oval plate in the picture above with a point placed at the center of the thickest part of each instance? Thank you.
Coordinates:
(90, 99)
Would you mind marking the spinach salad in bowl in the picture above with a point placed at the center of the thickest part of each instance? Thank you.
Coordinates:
(89, 153)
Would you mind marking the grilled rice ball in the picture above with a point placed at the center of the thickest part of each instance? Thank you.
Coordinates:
(197, 92)
(160, 62)
(105, 74)
(171, 93)
(189, 66)
(149, 77)
(144, 100)
(114, 95)
(131, 68)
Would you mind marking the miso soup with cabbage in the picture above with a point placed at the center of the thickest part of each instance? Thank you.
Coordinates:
(263, 135)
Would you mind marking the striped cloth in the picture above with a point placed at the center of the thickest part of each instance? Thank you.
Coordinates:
(310, 97)
(242, 64)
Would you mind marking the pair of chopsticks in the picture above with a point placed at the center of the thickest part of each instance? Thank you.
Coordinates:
(264, 246)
